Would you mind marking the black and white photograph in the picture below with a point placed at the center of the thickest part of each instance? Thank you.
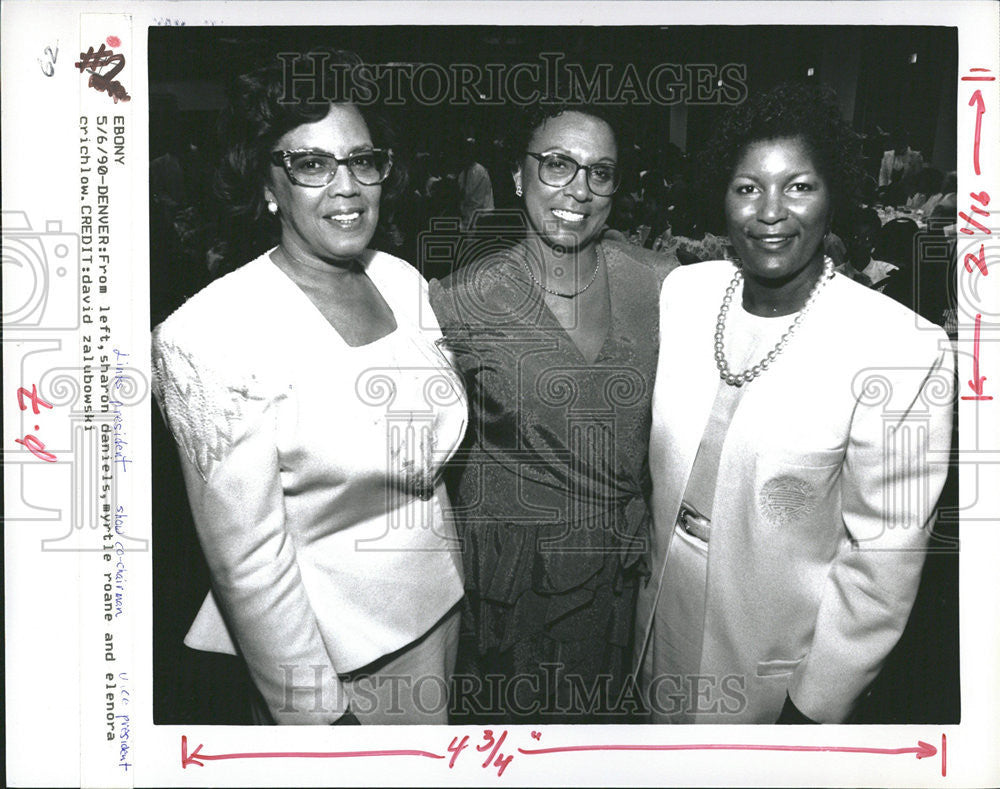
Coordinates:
(435, 310)
(483, 392)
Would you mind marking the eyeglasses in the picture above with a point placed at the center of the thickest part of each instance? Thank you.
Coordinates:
(315, 168)
(554, 169)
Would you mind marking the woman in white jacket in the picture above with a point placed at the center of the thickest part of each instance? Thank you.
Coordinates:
(314, 411)
(794, 412)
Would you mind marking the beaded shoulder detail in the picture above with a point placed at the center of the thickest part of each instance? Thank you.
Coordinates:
(207, 411)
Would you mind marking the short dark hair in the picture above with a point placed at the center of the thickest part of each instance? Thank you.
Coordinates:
(789, 110)
(929, 181)
(259, 114)
(530, 118)
(857, 218)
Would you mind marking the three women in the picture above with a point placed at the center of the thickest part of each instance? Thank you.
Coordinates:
(297, 389)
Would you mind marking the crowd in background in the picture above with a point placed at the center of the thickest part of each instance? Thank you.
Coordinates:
(463, 190)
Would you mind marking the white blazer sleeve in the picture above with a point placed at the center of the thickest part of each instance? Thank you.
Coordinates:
(889, 488)
(226, 430)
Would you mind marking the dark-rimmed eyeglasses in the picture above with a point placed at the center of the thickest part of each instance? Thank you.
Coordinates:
(316, 168)
(556, 169)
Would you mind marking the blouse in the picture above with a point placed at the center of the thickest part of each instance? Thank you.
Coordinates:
(312, 469)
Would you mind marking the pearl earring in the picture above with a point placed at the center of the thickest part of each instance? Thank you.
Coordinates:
(272, 207)
(517, 190)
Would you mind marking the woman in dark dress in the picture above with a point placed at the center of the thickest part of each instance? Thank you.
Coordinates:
(556, 341)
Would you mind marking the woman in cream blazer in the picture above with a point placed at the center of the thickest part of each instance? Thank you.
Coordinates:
(312, 470)
(314, 411)
(826, 484)
(796, 468)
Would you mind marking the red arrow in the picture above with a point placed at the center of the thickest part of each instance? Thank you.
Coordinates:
(198, 758)
(976, 384)
(977, 101)
(922, 751)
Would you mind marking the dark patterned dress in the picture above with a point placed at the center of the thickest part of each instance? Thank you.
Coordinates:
(550, 493)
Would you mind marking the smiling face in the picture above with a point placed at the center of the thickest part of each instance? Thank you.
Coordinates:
(332, 223)
(778, 208)
(568, 216)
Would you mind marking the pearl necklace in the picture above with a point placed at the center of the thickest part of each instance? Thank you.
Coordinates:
(593, 278)
(720, 327)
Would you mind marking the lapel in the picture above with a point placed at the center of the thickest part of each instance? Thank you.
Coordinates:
(694, 377)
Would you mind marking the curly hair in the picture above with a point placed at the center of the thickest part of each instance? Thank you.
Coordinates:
(789, 110)
(530, 117)
(258, 115)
